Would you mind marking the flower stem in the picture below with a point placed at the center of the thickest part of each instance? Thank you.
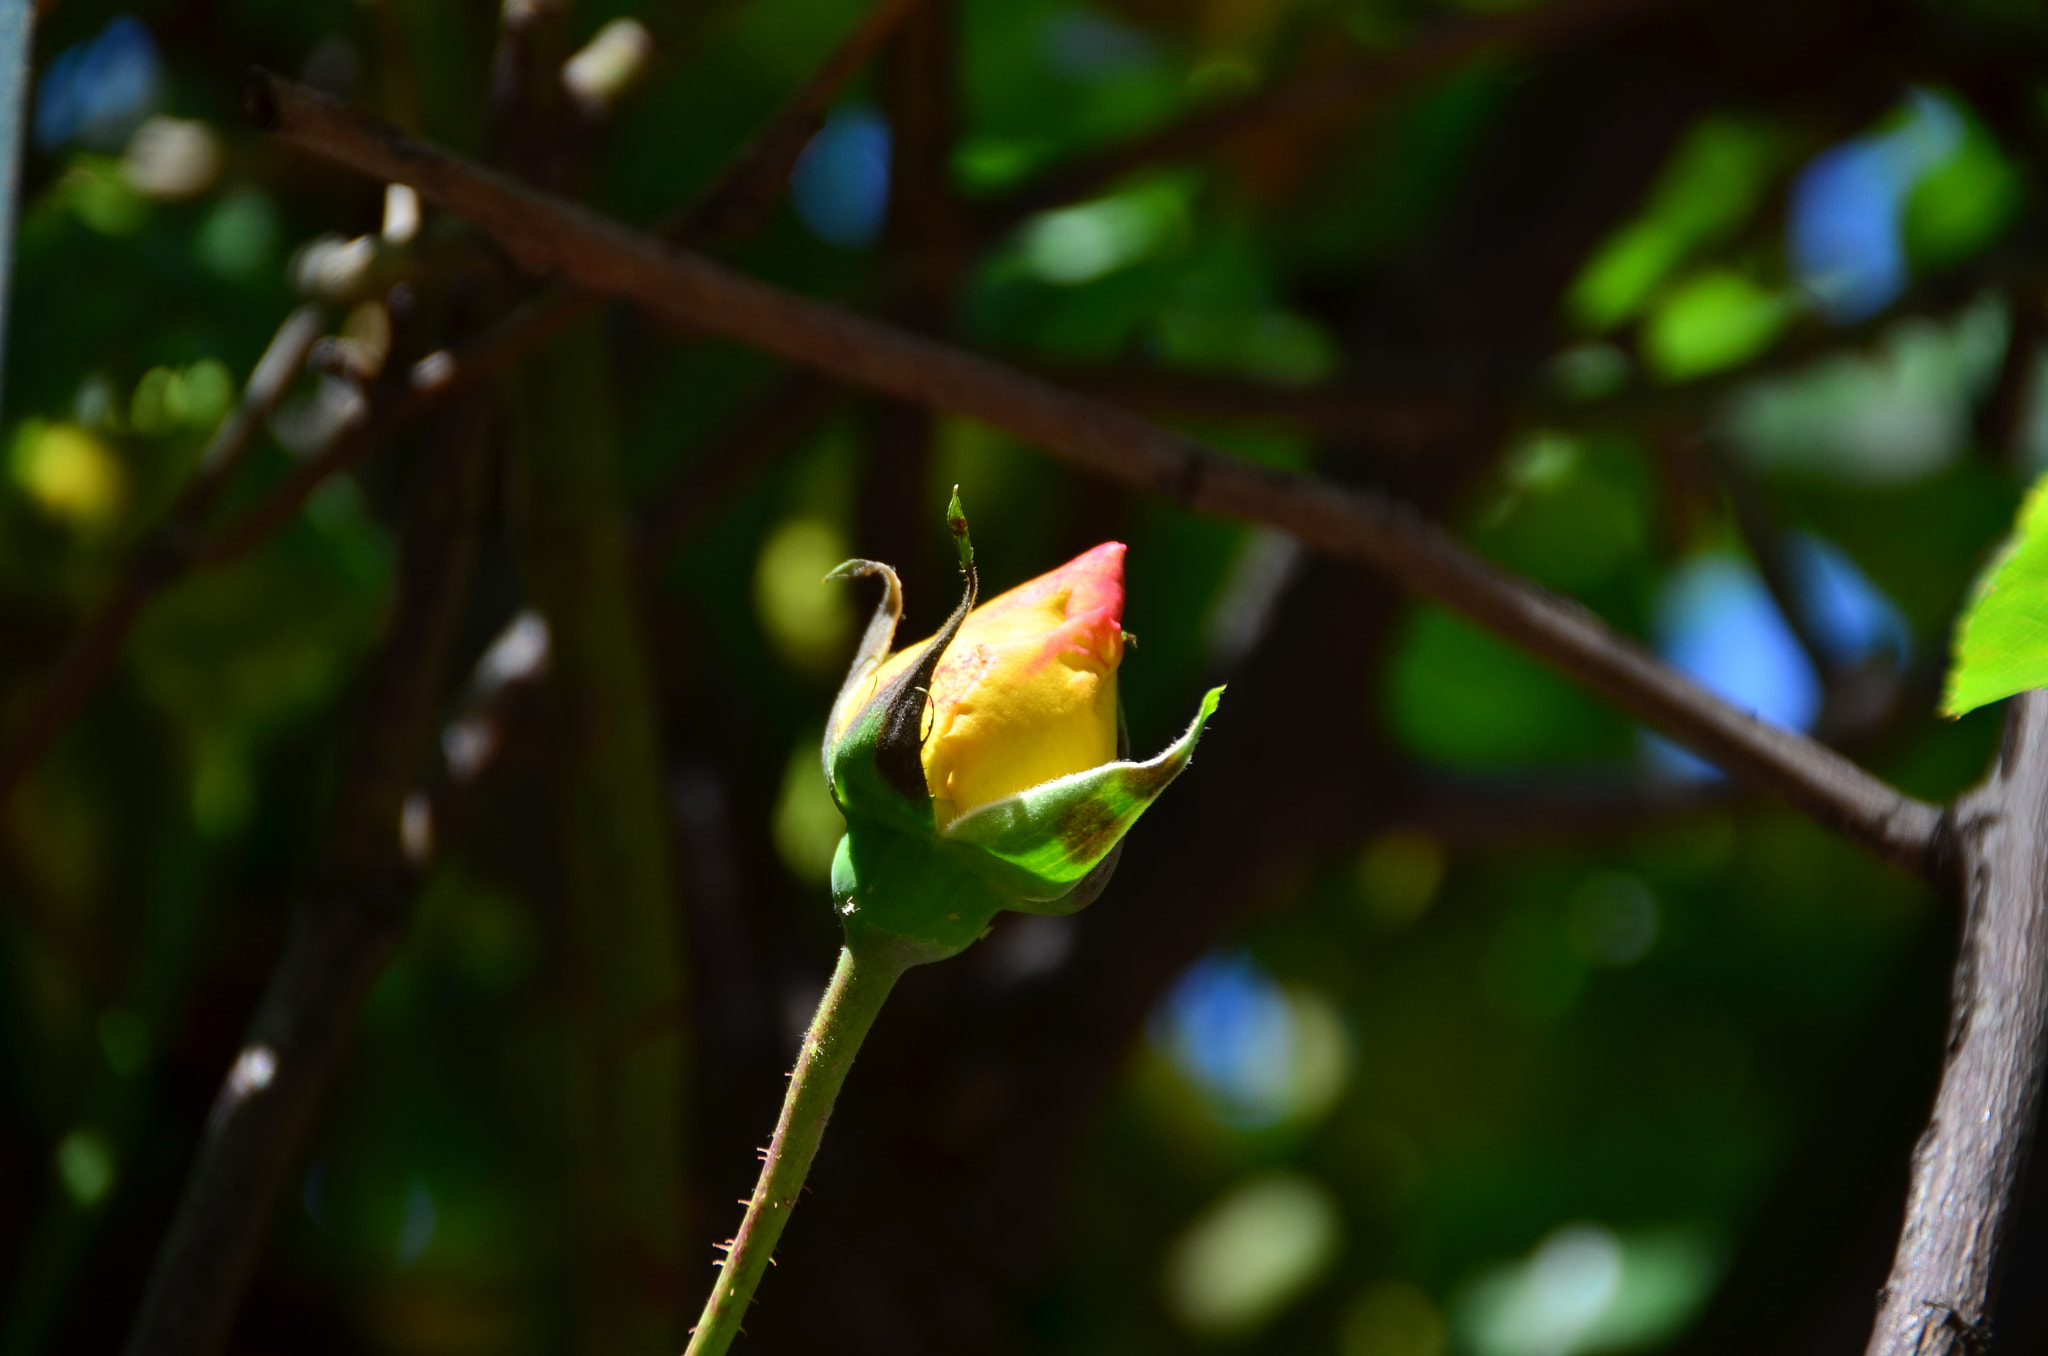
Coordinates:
(845, 1014)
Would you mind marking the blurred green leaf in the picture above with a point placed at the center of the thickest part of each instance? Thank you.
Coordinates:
(1964, 204)
(1457, 695)
(1709, 189)
(1712, 321)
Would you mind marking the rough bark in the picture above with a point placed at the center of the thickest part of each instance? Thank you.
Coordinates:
(1970, 1162)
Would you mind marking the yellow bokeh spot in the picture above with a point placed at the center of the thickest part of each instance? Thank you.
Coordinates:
(807, 621)
(68, 472)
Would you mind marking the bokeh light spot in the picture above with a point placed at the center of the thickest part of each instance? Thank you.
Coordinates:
(807, 619)
(97, 91)
(1251, 1254)
(1261, 1053)
(1850, 617)
(239, 238)
(85, 1166)
(159, 405)
(1844, 231)
(1717, 623)
(1079, 244)
(172, 158)
(69, 473)
(1586, 1288)
(1713, 321)
(1399, 874)
(840, 186)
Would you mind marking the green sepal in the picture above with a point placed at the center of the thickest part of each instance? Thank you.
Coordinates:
(858, 786)
(889, 732)
(909, 892)
(1055, 834)
(908, 896)
(875, 644)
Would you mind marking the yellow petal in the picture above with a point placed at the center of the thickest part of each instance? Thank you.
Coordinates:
(1027, 690)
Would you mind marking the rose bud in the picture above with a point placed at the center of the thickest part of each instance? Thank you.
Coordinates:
(983, 769)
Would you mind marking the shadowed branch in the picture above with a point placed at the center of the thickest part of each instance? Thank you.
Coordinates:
(549, 235)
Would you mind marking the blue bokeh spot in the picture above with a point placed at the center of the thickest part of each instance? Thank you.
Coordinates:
(1849, 617)
(1717, 624)
(841, 183)
(96, 92)
(1228, 1027)
(1844, 232)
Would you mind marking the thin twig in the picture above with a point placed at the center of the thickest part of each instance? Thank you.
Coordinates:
(548, 235)
(1401, 419)
(341, 934)
(734, 204)
(1968, 1165)
(164, 557)
(1415, 410)
(1337, 92)
(730, 206)
(394, 405)
(1489, 816)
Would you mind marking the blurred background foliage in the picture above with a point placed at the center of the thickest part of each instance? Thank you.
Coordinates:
(1442, 1010)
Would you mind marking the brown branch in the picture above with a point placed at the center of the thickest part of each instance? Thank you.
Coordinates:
(1415, 412)
(1402, 420)
(341, 938)
(394, 406)
(1968, 1165)
(164, 557)
(1492, 816)
(1338, 92)
(550, 236)
(1758, 526)
(730, 206)
(341, 935)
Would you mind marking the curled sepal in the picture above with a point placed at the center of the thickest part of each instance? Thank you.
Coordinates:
(1058, 833)
(875, 643)
(899, 744)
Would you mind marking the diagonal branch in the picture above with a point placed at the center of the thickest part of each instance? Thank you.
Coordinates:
(550, 236)
(730, 206)
(1337, 92)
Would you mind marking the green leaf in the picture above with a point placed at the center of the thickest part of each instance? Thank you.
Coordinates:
(1963, 205)
(1062, 830)
(1710, 188)
(2001, 644)
(1712, 321)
